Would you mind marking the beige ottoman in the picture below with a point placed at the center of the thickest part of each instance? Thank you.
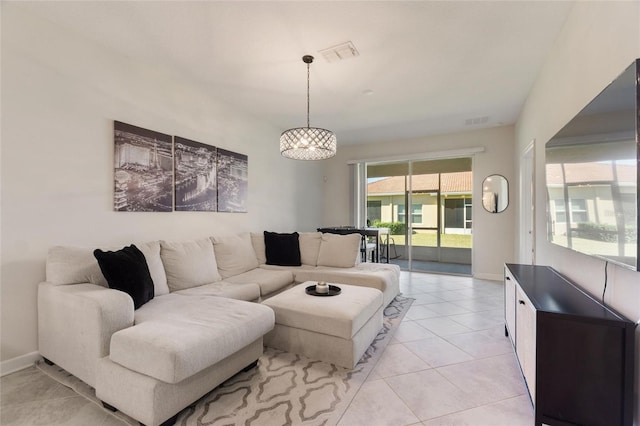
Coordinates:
(337, 329)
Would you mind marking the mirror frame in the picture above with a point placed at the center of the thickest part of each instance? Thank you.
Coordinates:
(496, 200)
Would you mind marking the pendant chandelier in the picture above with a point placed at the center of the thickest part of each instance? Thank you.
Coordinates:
(308, 143)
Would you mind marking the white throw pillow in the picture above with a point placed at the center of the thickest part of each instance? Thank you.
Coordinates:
(151, 253)
(189, 264)
(310, 247)
(234, 254)
(77, 265)
(339, 251)
(257, 240)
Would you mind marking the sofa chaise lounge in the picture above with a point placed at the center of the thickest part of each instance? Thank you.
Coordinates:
(202, 325)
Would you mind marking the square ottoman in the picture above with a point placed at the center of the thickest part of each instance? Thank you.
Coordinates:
(337, 329)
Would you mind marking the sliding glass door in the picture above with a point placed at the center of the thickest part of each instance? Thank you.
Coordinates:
(427, 207)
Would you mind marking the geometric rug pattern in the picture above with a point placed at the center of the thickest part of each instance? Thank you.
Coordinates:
(284, 389)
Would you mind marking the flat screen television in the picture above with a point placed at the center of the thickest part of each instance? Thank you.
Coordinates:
(592, 175)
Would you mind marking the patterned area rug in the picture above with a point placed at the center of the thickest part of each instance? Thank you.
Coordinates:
(285, 389)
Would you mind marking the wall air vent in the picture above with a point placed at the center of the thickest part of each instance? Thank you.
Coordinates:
(340, 52)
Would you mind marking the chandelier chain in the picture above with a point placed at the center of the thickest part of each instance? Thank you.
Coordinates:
(308, 95)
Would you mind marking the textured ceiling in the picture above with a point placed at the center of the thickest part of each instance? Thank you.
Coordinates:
(424, 67)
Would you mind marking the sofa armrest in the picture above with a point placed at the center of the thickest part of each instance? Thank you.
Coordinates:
(75, 324)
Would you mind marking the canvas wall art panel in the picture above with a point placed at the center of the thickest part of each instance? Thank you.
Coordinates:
(195, 183)
(143, 179)
(233, 180)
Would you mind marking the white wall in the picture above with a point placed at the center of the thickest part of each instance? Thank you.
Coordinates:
(598, 41)
(493, 234)
(60, 95)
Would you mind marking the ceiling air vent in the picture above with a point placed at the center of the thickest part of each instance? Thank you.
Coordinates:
(340, 52)
(476, 121)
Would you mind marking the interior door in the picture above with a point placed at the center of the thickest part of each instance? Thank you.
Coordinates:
(527, 206)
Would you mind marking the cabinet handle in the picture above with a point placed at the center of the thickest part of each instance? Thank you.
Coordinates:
(508, 279)
(521, 302)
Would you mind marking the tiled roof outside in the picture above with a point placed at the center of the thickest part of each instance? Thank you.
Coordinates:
(590, 172)
(451, 182)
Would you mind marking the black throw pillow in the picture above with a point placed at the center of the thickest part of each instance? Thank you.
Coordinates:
(282, 249)
(127, 270)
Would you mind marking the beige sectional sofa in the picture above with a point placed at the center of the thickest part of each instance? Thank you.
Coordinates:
(202, 325)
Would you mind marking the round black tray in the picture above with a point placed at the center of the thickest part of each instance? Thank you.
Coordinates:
(334, 290)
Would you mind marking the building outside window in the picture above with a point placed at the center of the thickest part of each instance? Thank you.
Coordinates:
(457, 213)
(374, 211)
(416, 213)
(579, 211)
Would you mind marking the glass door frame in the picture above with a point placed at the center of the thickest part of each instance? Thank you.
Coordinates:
(360, 194)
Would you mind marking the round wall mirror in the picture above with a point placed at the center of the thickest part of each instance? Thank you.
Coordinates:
(495, 193)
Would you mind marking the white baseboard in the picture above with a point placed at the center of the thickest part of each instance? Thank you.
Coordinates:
(18, 363)
(492, 277)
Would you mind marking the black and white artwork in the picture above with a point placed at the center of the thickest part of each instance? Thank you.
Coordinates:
(143, 170)
(233, 172)
(195, 176)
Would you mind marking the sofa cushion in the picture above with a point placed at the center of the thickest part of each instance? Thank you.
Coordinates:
(286, 268)
(234, 254)
(269, 280)
(257, 240)
(77, 265)
(248, 292)
(177, 336)
(151, 253)
(340, 251)
(282, 249)
(126, 270)
(189, 264)
(310, 247)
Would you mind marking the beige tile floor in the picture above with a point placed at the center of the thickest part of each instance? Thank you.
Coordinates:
(448, 364)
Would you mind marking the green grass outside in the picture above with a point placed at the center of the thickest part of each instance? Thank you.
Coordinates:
(429, 240)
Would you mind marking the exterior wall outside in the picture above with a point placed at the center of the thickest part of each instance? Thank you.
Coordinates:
(599, 205)
(390, 207)
(428, 208)
(60, 95)
(587, 56)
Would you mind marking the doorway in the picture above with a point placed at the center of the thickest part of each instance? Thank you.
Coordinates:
(527, 205)
(426, 205)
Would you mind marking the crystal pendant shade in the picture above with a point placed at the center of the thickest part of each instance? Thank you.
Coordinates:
(308, 143)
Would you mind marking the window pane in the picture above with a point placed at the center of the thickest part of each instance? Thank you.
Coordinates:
(400, 208)
(416, 214)
(374, 211)
(561, 216)
(453, 213)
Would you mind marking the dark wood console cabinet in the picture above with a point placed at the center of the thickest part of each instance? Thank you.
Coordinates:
(576, 355)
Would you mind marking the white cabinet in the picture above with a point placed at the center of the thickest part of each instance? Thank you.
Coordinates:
(510, 305)
(526, 339)
(520, 320)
